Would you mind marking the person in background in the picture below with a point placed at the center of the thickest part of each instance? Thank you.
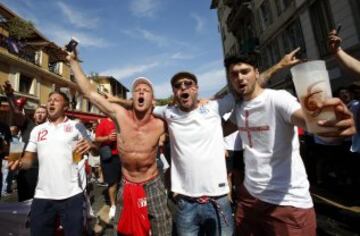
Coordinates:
(59, 145)
(350, 63)
(94, 160)
(5, 140)
(105, 135)
(8, 176)
(26, 179)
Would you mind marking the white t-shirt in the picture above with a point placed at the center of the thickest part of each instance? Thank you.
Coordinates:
(274, 170)
(197, 148)
(58, 175)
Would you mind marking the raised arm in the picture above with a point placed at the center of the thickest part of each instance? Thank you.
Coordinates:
(349, 62)
(110, 109)
(126, 103)
(287, 61)
(19, 115)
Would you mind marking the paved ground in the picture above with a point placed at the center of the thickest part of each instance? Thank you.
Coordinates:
(100, 224)
(333, 218)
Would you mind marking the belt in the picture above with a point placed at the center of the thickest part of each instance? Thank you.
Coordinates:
(204, 200)
(201, 200)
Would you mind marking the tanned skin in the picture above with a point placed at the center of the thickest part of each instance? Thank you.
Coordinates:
(140, 131)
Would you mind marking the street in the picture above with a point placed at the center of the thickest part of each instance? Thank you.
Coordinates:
(333, 218)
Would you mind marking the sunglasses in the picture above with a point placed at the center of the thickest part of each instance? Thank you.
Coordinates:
(186, 83)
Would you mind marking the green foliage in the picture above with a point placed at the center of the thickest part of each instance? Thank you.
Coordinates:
(20, 29)
(164, 101)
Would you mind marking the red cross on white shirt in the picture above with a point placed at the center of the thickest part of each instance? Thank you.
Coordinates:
(249, 129)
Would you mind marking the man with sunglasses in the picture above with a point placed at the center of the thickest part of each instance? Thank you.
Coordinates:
(198, 174)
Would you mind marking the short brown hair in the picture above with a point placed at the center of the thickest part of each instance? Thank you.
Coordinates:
(62, 94)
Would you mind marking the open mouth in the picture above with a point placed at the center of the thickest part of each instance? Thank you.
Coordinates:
(141, 100)
(51, 108)
(242, 86)
(185, 96)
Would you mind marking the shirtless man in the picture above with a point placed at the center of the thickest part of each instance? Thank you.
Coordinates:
(137, 144)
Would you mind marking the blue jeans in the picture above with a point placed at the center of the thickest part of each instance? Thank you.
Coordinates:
(193, 218)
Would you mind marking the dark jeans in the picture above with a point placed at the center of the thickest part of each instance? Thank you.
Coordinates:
(45, 211)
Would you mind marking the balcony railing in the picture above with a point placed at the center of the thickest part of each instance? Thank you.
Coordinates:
(16, 48)
(28, 54)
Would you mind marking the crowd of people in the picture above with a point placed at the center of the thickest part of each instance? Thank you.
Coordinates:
(260, 162)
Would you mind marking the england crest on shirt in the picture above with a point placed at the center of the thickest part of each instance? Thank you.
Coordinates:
(68, 128)
(203, 110)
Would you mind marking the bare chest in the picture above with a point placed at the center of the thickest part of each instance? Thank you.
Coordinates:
(139, 138)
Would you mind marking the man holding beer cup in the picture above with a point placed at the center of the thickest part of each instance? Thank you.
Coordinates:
(58, 192)
(275, 197)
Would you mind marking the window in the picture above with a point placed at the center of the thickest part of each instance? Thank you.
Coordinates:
(293, 37)
(272, 53)
(265, 12)
(286, 3)
(263, 58)
(322, 22)
(89, 106)
(355, 8)
(275, 51)
(56, 67)
(2, 19)
(25, 84)
(282, 5)
(79, 102)
(279, 7)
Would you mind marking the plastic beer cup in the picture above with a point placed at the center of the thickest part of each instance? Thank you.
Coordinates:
(76, 156)
(16, 150)
(312, 85)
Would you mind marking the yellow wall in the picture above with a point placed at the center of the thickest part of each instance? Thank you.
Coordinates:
(45, 89)
(66, 71)
(4, 73)
(4, 32)
(45, 61)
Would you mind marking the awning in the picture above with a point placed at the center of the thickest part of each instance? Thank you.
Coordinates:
(84, 116)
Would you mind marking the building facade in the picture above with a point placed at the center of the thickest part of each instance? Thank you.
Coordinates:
(273, 28)
(35, 67)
